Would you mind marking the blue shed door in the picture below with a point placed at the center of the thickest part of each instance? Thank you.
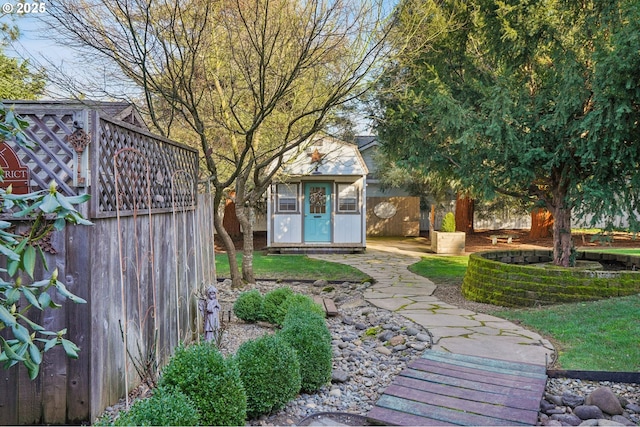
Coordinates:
(317, 212)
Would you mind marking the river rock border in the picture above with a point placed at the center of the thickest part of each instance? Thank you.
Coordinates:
(510, 278)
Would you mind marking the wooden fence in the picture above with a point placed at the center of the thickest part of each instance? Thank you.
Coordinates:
(139, 266)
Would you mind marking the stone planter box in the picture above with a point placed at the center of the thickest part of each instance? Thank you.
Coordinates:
(448, 243)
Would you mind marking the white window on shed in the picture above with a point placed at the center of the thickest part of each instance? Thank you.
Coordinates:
(287, 197)
(347, 198)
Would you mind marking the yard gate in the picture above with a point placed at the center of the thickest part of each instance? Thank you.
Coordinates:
(139, 266)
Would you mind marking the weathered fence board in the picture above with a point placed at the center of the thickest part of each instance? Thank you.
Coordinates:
(166, 242)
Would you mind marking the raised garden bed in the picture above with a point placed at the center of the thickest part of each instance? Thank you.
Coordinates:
(525, 278)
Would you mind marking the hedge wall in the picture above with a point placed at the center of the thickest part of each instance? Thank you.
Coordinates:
(508, 279)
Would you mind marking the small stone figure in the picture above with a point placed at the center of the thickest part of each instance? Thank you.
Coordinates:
(210, 309)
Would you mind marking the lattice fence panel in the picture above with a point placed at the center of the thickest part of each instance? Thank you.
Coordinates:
(168, 164)
(51, 158)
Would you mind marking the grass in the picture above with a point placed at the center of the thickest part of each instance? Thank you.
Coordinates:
(623, 251)
(593, 336)
(443, 270)
(293, 267)
(597, 335)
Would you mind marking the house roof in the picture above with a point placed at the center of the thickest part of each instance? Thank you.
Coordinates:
(366, 141)
(323, 155)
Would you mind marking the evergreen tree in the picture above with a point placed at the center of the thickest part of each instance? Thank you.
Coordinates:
(534, 99)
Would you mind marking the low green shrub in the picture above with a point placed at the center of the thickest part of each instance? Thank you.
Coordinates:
(271, 311)
(449, 223)
(302, 315)
(248, 306)
(312, 342)
(270, 371)
(212, 383)
(164, 408)
(297, 300)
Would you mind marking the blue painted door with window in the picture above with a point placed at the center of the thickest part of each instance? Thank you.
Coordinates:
(317, 212)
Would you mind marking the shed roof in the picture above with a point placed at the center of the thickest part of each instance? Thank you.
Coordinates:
(324, 155)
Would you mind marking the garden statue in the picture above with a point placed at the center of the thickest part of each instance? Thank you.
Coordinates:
(210, 309)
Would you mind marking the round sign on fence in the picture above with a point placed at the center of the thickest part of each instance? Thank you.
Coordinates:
(385, 210)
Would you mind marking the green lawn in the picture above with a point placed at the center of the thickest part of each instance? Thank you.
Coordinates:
(624, 251)
(597, 335)
(293, 267)
(600, 335)
(443, 270)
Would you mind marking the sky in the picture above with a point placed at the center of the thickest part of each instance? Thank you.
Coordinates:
(41, 50)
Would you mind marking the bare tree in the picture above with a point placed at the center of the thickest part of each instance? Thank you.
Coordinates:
(248, 79)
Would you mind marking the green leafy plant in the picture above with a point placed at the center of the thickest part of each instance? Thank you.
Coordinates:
(297, 313)
(298, 300)
(312, 341)
(248, 306)
(165, 407)
(47, 211)
(271, 311)
(210, 381)
(449, 223)
(270, 372)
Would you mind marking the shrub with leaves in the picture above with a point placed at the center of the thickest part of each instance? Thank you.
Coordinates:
(270, 371)
(210, 381)
(271, 311)
(449, 223)
(166, 407)
(47, 210)
(298, 300)
(308, 334)
(300, 313)
(248, 306)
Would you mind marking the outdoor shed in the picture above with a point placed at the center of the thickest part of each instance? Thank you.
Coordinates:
(318, 202)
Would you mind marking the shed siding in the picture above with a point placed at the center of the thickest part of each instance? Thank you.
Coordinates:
(287, 229)
(347, 229)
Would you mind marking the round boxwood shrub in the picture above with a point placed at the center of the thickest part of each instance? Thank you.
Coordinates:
(297, 300)
(165, 407)
(271, 311)
(270, 371)
(300, 313)
(248, 306)
(312, 342)
(212, 383)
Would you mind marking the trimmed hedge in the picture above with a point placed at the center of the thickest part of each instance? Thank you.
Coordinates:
(164, 408)
(210, 381)
(248, 306)
(312, 340)
(506, 278)
(270, 371)
(273, 300)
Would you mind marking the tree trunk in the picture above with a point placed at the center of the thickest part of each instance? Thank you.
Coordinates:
(227, 242)
(541, 223)
(432, 221)
(464, 213)
(245, 216)
(562, 243)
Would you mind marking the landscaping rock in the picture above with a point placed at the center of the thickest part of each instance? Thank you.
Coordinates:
(605, 399)
(572, 400)
(567, 419)
(586, 412)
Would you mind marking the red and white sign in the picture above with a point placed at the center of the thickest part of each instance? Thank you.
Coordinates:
(15, 173)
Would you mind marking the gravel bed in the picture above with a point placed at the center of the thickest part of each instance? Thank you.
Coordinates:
(365, 363)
